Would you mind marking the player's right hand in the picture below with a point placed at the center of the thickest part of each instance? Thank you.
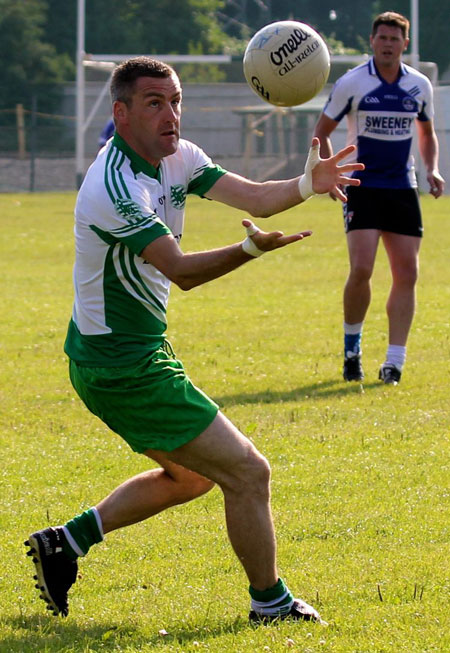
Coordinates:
(436, 182)
(268, 241)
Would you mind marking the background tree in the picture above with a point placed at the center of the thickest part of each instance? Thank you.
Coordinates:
(138, 26)
(143, 27)
(30, 65)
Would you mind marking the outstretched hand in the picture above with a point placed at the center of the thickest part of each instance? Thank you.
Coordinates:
(267, 241)
(326, 175)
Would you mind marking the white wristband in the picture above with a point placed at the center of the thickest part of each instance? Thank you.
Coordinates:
(249, 247)
(305, 182)
(305, 187)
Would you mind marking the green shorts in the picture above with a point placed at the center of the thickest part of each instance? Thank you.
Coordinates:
(151, 404)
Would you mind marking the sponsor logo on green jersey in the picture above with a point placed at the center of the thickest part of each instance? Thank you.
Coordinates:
(129, 209)
(178, 196)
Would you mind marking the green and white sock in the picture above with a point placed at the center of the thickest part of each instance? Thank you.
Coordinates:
(82, 532)
(274, 601)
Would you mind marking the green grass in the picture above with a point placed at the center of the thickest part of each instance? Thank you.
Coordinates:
(360, 473)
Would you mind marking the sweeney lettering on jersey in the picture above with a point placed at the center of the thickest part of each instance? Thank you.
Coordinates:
(394, 125)
(379, 125)
(388, 122)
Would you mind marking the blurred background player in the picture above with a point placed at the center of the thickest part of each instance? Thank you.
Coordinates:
(106, 133)
(382, 100)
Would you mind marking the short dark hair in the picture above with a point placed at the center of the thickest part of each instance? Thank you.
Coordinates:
(125, 76)
(392, 19)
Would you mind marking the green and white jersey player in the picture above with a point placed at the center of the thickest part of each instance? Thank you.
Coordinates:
(129, 220)
(124, 204)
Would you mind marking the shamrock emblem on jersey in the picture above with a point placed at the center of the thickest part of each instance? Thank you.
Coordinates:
(129, 209)
(178, 196)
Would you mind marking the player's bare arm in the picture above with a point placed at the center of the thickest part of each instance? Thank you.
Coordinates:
(324, 127)
(270, 197)
(188, 270)
(429, 150)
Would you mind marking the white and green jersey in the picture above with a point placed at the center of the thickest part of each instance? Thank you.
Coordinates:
(119, 312)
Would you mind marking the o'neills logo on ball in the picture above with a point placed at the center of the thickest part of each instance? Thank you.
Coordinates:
(304, 54)
(292, 44)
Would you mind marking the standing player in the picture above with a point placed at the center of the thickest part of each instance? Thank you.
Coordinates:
(129, 222)
(382, 100)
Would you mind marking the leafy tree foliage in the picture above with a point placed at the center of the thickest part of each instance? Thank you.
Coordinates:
(143, 27)
(139, 26)
(29, 63)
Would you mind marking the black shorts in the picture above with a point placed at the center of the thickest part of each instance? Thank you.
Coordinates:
(386, 209)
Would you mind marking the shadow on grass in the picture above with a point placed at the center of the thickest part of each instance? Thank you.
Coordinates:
(42, 632)
(319, 390)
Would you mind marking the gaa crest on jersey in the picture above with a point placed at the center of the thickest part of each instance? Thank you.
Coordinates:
(409, 104)
(178, 196)
(128, 209)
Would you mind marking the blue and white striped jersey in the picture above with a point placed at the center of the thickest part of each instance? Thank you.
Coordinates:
(380, 119)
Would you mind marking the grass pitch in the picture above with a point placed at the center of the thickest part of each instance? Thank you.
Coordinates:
(360, 472)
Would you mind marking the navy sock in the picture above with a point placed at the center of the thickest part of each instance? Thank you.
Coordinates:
(352, 343)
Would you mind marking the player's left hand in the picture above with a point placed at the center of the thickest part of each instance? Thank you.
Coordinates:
(267, 241)
(436, 182)
(326, 175)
